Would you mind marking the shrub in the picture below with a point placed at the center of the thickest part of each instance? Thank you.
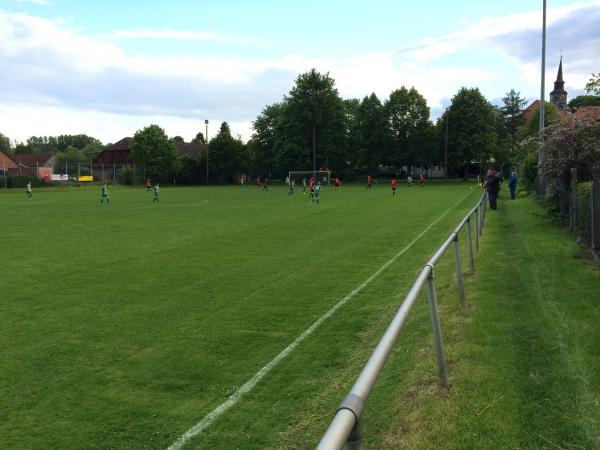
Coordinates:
(529, 171)
(584, 217)
(126, 176)
(20, 181)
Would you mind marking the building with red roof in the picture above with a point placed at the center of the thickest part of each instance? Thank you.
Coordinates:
(7, 161)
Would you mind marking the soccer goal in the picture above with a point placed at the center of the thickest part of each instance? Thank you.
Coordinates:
(324, 176)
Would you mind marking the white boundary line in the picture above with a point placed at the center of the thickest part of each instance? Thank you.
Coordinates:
(252, 382)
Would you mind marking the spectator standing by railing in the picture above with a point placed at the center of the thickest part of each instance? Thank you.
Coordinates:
(492, 185)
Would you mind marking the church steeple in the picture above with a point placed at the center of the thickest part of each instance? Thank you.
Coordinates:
(559, 96)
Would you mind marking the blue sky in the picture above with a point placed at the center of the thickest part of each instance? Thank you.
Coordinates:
(108, 68)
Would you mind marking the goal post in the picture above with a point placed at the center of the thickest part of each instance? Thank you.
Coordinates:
(324, 176)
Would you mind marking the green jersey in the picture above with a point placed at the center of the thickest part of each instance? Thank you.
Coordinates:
(156, 191)
(104, 191)
(317, 190)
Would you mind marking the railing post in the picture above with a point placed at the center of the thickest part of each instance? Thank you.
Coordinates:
(595, 208)
(573, 206)
(481, 213)
(485, 205)
(459, 275)
(471, 258)
(437, 332)
(355, 440)
(354, 404)
(477, 227)
(481, 216)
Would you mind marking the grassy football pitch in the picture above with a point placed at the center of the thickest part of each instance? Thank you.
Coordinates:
(123, 326)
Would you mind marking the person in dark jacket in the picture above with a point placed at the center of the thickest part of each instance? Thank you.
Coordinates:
(512, 185)
(492, 185)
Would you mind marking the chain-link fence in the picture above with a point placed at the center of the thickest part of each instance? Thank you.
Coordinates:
(578, 202)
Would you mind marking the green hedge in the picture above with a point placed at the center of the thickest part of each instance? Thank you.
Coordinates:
(584, 213)
(20, 181)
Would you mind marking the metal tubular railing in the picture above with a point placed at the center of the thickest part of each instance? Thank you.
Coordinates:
(346, 428)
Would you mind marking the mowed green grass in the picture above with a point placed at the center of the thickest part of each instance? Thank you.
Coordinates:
(123, 326)
(525, 354)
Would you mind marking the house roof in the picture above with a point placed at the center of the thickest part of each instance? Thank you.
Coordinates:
(587, 113)
(123, 144)
(33, 159)
(528, 112)
(120, 152)
(117, 153)
(8, 156)
(189, 149)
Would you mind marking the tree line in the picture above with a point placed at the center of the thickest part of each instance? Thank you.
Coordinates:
(68, 149)
(369, 135)
(313, 126)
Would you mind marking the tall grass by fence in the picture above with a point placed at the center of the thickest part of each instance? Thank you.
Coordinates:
(577, 203)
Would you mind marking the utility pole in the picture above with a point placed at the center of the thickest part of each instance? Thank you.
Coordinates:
(206, 124)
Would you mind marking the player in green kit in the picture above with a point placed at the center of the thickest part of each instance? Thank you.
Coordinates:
(156, 193)
(29, 192)
(292, 183)
(105, 195)
(317, 194)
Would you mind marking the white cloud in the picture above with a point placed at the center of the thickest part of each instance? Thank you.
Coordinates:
(57, 80)
(22, 121)
(490, 29)
(34, 2)
(187, 35)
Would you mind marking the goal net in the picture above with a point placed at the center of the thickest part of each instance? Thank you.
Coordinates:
(324, 176)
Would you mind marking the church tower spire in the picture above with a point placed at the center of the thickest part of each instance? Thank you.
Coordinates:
(559, 96)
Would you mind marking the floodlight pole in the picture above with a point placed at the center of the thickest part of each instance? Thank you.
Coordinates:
(542, 93)
(206, 140)
(446, 144)
(541, 183)
(314, 151)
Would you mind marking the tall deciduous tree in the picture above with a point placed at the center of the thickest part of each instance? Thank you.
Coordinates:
(585, 100)
(5, 144)
(69, 158)
(429, 153)
(225, 129)
(47, 144)
(471, 129)
(268, 138)
(352, 130)
(593, 86)
(373, 132)
(152, 148)
(315, 117)
(91, 152)
(199, 138)
(408, 115)
(228, 155)
(512, 118)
